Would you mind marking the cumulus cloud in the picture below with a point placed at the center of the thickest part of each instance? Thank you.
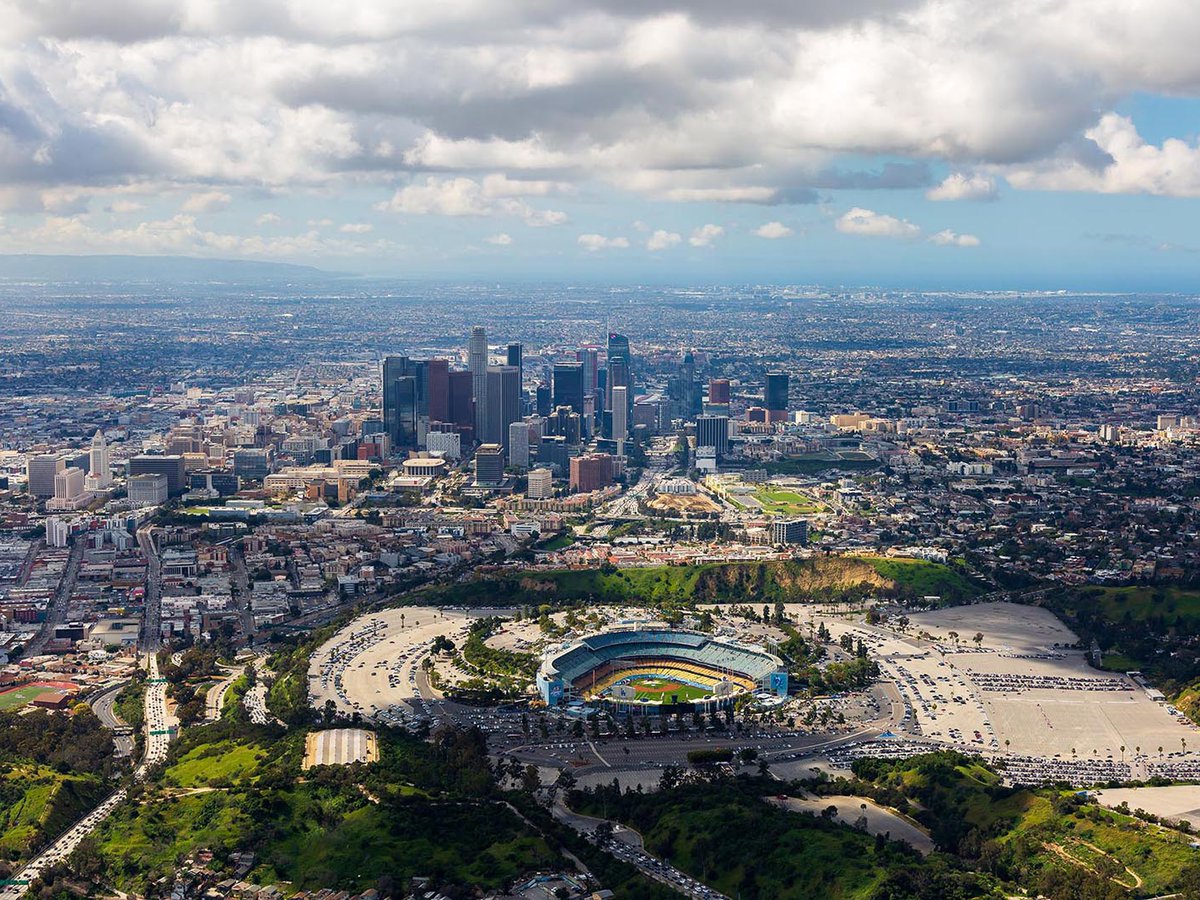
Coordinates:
(960, 186)
(948, 238)
(268, 219)
(494, 196)
(500, 240)
(123, 207)
(356, 228)
(872, 224)
(206, 202)
(661, 240)
(595, 242)
(479, 109)
(706, 235)
(773, 231)
(1116, 160)
(263, 92)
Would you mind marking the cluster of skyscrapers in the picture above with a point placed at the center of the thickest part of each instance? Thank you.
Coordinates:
(488, 404)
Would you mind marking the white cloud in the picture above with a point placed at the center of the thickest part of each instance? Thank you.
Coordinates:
(496, 196)
(319, 223)
(706, 235)
(960, 186)
(356, 228)
(868, 222)
(661, 240)
(948, 238)
(493, 109)
(773, 231)
(1115, 159)
(206, 202)
(123, 207)
(178, 235)
(500, 240)
(595, 242)
(268, 219)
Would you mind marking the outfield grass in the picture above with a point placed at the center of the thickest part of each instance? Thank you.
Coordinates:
(20, 696)
(685, 692)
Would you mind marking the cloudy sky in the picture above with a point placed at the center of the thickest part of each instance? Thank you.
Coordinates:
(1028, 143)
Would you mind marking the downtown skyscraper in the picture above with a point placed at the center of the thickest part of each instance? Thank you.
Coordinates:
(477, 363)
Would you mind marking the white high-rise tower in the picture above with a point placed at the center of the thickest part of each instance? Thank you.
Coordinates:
(620, 417)
(99, 470)
(477, 362)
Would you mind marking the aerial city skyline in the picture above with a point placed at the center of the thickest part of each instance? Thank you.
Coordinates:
(704, 542)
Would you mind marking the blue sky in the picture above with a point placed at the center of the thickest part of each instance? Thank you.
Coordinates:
(924, 143)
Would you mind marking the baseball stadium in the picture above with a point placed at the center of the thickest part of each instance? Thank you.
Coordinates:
(656, 671)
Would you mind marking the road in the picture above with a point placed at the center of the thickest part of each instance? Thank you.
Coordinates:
(56, 611)
(160, 727)
(240, 580)
(658, 462)
(627, 845)
(214, 699)
(104, 706)
(152, 620)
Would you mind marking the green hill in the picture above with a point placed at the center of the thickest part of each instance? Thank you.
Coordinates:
(425, 809)
(790, 581)
(1053, 840)
(37, 803)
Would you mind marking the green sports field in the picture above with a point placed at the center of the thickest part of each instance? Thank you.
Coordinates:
(20, 696)
(662, 689)
(778, 501)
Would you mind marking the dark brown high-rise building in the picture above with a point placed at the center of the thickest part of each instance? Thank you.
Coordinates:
(438, 388)
(718, 390)
(461, 406)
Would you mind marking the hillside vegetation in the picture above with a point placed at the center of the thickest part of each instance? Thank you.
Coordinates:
(991, 841)
(37, 803)
(787, 581)
(424, 809)
(1148, 627)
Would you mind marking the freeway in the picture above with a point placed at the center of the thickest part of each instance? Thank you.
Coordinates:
(214, 700)
(160, 727)
(626, 845)
(104, 706)
(152, 621)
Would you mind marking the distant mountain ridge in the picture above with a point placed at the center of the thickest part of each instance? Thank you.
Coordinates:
(68, 268)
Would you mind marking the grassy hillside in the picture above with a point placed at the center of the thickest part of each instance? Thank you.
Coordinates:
(37, 802)
(824, 579)
(424, 809)
(725, 834)
(1053, 840)
(1147, 627)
